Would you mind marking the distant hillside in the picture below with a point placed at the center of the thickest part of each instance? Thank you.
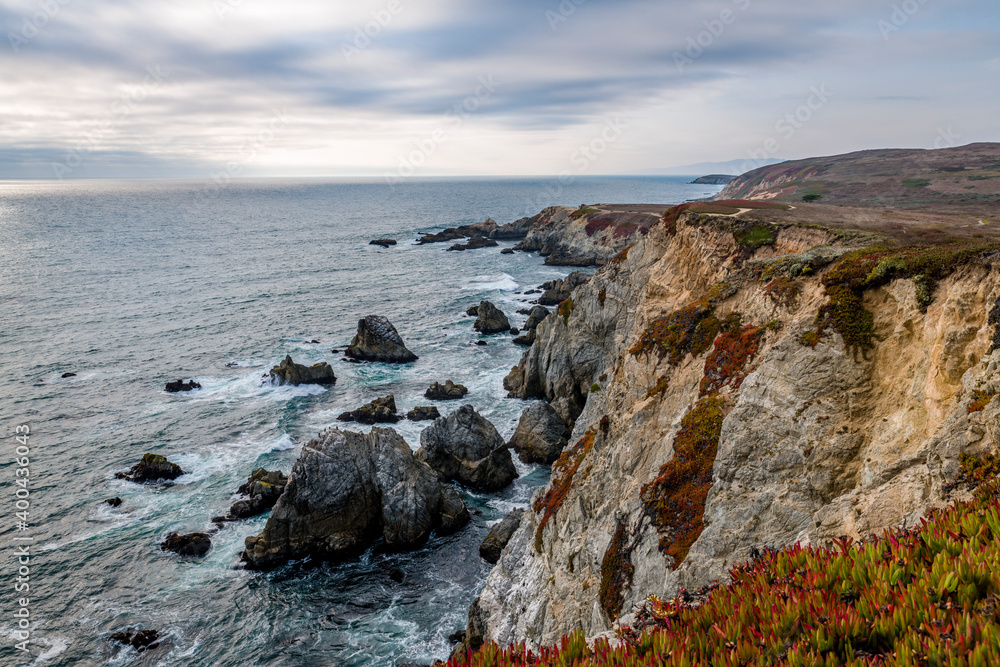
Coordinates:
(714, 179)
(964, 179)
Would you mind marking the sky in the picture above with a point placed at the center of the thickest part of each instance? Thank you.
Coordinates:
(402, 88)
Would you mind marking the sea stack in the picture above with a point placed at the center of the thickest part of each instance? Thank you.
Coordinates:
(378, 340)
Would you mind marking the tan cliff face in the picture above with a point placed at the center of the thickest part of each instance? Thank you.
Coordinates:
(815, 442)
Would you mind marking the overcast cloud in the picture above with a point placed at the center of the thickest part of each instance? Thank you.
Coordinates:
(430, 87)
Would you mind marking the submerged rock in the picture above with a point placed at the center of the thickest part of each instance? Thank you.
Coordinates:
(541, 434)
(68, 375)
(153, 467)
(181, 385)
(449, 391)
(490, 319)
(140, 640)
(507, 251)
(466, 447)
(422, 414)
(385, 243)
(346, 490)
(192, 544)
(380, 411)
(499, 536)
(475, 243)
(114, 502)
(289, 372)
(378, 340)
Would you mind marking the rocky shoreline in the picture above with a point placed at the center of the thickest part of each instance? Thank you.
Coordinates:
(708, 339)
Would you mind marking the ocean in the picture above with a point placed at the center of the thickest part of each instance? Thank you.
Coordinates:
(131, 284)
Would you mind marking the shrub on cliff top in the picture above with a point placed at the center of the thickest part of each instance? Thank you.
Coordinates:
(869, 268)
(925, 596)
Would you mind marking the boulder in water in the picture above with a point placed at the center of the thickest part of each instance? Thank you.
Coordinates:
(475, 243)
(289, 372)
(347, 490)
(499, 536)
(192, 544)
(423, 414)
(449, 391)
(262, 488)
(114, 502)
(507, 251)
(68, 375)
(385, 243)
(380, 411)
(490, 319)
(541, 434)
(153, 467)
(378, 340)
(181, 385)
(139, 640)
(466, 447)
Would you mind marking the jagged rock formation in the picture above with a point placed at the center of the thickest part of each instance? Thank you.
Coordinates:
(589, 235)
(490, 319)
(514, 230)
(449, 391)
(378, 340)
(499, 536)
(541, 434)
(151, 468)
(464, 446)
(559, 290)
(380, 411)
(289, 372)
(485, 229)
(347, 489)
(735, 385)
(535, 317)
(262, 488)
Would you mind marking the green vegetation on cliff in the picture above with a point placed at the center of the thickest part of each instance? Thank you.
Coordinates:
(925, 596)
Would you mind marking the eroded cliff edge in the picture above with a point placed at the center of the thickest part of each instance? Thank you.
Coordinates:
(719, 409)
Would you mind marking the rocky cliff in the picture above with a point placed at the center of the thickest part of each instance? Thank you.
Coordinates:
(737, 384)
(589, 235)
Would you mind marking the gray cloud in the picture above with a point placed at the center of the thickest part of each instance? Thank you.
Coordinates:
(561, 66)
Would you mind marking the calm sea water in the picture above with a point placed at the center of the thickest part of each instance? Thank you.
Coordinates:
(132, 284)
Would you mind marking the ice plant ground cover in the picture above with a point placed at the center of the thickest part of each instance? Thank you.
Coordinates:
(929, 596)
